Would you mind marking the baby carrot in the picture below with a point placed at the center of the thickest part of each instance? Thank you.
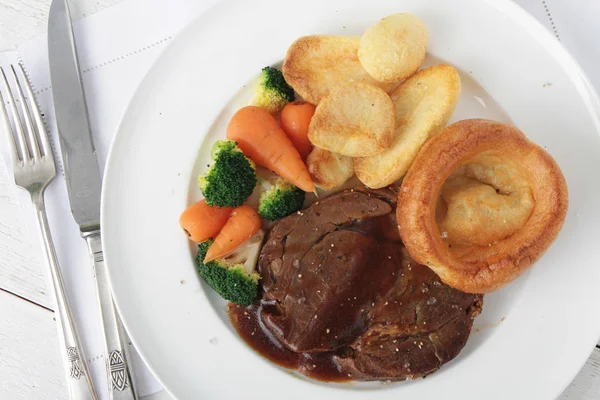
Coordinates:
(242, 224)
(261, 138)
(295, 119)
(201, 221)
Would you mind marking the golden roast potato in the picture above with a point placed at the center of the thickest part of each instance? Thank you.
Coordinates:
(424, 104)
(394, 48)
(354, 120)
(314, 65)
(329, 170)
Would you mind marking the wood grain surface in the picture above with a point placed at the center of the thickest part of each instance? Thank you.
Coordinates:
(23, 19)
(30, 367)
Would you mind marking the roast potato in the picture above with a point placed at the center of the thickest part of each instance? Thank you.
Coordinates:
(329, 170)
(355, 120)
(394, 48)
(314, 65)
(424, 104)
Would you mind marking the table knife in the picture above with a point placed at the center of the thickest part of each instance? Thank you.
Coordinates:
(84, 184)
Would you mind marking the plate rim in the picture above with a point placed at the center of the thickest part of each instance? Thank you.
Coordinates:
(508, 7)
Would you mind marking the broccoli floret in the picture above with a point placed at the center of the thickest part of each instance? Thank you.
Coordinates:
(279, 199)
(230, 179)
(272, 91)
(233, 278)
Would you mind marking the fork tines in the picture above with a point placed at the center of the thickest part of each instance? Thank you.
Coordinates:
(28, 142)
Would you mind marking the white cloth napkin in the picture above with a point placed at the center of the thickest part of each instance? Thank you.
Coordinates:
(116, 48)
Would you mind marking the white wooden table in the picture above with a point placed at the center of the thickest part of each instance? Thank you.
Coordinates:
(30, 367)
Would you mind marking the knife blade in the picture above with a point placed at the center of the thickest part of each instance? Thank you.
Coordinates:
(84, 185)
(81, 167)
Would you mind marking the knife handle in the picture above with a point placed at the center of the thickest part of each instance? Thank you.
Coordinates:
(120, 384)
(79, 383)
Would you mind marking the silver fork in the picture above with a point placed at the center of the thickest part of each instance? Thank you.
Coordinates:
(34, 168)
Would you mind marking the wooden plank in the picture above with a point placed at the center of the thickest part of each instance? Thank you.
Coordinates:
(586, 386)
(21, 20)
(21, 264)
(30, 366)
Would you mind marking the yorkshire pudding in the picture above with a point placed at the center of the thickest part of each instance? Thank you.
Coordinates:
(480, 203)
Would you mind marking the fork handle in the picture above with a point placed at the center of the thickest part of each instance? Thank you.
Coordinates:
(119, 374)
(79, 383)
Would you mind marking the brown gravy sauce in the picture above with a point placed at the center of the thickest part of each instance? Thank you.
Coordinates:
(249, 325)
(321, 366)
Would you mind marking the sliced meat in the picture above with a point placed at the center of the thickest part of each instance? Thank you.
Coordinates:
(342, 299)
(419, 326)
(345, 271)
(293, 236)
(322, 261)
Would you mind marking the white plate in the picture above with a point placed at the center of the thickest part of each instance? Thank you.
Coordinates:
(533, 335)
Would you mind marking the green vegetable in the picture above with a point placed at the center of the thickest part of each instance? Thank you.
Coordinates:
(233, 278)
(230, 179)
(279, 199)
(272, 91)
